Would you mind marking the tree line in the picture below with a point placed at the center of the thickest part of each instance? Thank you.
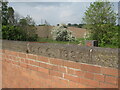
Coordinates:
(15, 27)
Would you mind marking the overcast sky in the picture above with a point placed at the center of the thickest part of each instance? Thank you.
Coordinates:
(53, 12)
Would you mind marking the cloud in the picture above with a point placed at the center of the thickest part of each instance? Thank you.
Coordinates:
(58, 0)
(53, 12)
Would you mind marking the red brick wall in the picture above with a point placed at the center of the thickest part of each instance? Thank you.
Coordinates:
(21, 70)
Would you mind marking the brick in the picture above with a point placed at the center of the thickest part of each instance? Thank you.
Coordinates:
(89, 75)
(71, 78)
(22, 59)
(43, 70)
(109, 71)
(14, 53)
(45, 65)
(14, 58)
(99, 77)
(62, 69)
(71, 71)
(8, 61)
(89, 82)
(7, 52)
(34, 63)
(55, 73)
(107, 85)
(118, 82)
(17, 63)
(56, 61)
(3, 51)
(3, 59)
(71, 64)
(82, 86)
(79, 73)
(43, 59)
(90, 87)
(23, 65)
(59, 68)
(18, 59)
(31, 56)
(26, 61)
(22, 55)
(41, 75)
(0, 58)
(119, 73)
(32, 67)
(90, 68)
(10, 57)
(61, 82)
(6, 56)
(112, 80)
(73, 84)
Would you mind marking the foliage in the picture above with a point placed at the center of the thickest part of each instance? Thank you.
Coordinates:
(11, 15)
(17, 17)
(11, 32)
(27, 25)
(76, 25)
(60, 33)
(7, 14)
(19, 29)
(16, 33)
(100, 21)
(4, 13)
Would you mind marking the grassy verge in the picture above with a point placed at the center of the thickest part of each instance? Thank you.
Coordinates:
(53, 41)
(109, 46)
(78, 41)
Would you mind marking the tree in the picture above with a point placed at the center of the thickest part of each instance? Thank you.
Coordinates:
(27, 26)
(60, 33)
(100, 20)
(7, 14)
(0, 12)
(80, 25)
(11, 15)
(17, 18)
(75, 25)
(19, 29)
(69, 24)
(30, 20)
(4, 13)
(23, 22)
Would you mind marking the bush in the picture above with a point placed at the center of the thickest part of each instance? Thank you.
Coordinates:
(16, 33)
(60, 33)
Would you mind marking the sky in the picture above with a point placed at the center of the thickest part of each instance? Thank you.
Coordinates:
(53, 12)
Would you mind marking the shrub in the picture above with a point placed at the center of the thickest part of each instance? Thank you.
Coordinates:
(60, 33)
(16, 33)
